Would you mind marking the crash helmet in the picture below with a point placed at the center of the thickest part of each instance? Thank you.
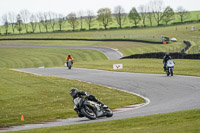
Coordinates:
(69, 55)
(73, 92)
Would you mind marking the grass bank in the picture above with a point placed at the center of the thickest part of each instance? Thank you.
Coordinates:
(178, 122)
(48, 57)
(41, 98)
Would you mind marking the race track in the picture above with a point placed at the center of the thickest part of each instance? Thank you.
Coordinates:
(166, 94)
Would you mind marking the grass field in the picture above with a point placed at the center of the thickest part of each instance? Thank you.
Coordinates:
(178, 122)
(46, 98)
(182, 66)
(47, 57)
(181, 32)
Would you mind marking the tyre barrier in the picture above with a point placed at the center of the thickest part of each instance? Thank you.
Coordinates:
(160, 55)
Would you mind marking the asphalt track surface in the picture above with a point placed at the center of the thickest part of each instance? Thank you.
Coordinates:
(110, 53)
(166, 94)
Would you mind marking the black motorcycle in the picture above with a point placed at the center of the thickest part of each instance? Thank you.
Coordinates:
(91, 109)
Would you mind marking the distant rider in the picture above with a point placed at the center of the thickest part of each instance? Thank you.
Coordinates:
(75, 93)
(68, 58)
(165, 59)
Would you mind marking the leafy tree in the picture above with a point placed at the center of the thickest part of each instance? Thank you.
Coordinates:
(134, 15)
(33, 22)
(19, 23)
(182, 13)
(168, 15)
(120, 15)
(72, 20)
(143, 14)
(89, 19)
(157, 8)
(61, 21)
(104, 16)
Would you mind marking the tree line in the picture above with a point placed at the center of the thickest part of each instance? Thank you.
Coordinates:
(153, 11)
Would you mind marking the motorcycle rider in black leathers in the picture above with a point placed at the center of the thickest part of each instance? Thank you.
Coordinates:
(75, 93)
(165, 59)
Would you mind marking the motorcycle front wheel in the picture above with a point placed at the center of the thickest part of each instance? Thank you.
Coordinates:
(89, 113)
(109, 113)
(172, 72)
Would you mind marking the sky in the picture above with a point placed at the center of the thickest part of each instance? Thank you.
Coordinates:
(67, 6)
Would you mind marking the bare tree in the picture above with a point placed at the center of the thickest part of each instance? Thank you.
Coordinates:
(40, 19)
(134, 15)
(89, 19)
(158, 8)
(81, 18)
(25, 15)
(52, 19)
(150, 14)
(5, 23)
(45, 21)
(12, 17)
(72, 20)
(143, 13)
(61, 21)
(33, 22)
(120, 15)
(182, 13)
(104, 16)
(168, 15)
(19, 23)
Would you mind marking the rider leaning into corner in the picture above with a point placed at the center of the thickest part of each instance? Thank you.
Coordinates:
(68, 58)
(165, 59)
(75, 93)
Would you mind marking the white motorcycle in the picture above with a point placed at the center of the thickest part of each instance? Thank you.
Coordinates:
(170, 67)
(69, 64)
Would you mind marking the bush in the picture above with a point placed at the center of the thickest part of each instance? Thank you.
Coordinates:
(93, 29)
(127, 27)
(113, 28)
(83, 29)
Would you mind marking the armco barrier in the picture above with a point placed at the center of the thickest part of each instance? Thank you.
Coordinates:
(161, 55)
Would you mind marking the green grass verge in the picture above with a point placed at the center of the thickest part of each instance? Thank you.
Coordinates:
(41, 98)
(182, 66)
(48, 57)
(178, 122)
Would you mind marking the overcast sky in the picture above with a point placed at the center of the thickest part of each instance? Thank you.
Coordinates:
(67, 6)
